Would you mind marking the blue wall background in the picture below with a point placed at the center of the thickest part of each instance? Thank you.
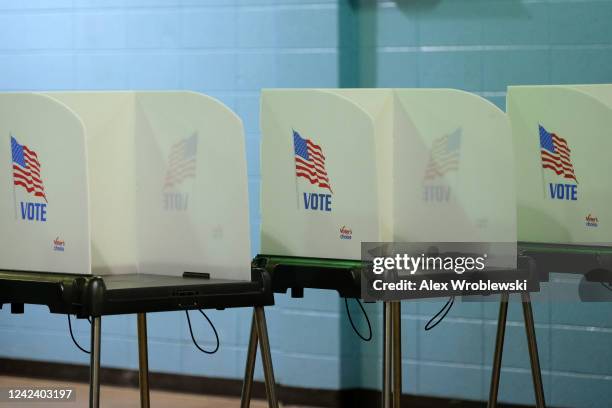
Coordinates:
(232, 48)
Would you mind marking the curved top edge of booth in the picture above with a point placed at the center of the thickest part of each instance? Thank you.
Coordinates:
(195, 94)
(463, 93)
(136, 93)
(49, 97)
(599, 93)
(334, 92)
(345, 93)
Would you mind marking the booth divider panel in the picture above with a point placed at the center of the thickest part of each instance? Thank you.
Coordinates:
(44, 221)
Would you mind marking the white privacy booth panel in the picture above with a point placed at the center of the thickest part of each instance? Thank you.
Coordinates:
(454, 162)
(44, 222)
(192, 199)
(562, 142)
(433, 165)
(379, 104)
(108, 118)
(319, 186)
(161, 177)
(453, 172)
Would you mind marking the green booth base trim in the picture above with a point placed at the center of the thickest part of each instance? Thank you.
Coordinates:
(299, 273)
(288, 395)
(344, 276)
(567, 249)
(312, 262)
(593, 261)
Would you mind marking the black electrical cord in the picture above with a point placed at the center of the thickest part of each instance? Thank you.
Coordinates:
(193, 337)
(72, 336)
(444, 311)
(348, 312)
(606, 285)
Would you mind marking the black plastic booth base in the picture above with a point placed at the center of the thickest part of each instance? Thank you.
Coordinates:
(344, 276)
(97, 296)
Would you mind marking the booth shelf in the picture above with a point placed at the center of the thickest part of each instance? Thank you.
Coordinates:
(87, 295)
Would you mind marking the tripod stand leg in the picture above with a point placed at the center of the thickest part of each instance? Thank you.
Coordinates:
(499, 349)
(536, 372)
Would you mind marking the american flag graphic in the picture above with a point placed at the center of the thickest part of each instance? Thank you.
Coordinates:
(555, 154)
(182, 161)
(26, 169)
(444, 155)
(310, 162)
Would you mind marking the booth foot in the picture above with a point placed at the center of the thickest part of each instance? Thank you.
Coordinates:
(143, 361)
(259, 334)
(536, 371)
(94, 364)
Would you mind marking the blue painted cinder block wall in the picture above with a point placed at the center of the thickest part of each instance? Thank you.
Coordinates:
(232, 48)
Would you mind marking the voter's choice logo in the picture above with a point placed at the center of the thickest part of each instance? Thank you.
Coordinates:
(555, 155)
(180, 173)
(591, 221)
(310, 166)
(29, 194)
(444, 158)
(59, 245)
(346, 232)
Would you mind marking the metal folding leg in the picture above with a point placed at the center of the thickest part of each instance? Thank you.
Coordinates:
(499, 349)
(387, 374)
(392, 355)
(536, 372)
(247, 384)
(143, 361)
(94, 363)
(259, 334)
(397, 353)
(266, 356)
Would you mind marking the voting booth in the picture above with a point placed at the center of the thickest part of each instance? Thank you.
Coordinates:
(345, 166)
(123, 182)
(562, 142)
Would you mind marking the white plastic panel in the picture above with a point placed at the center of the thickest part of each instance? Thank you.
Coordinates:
(379, 104)
(192, 200)
(380, 143)
(42, 148)
(454, 168)
(108, 118)
(165, 173)
(335, 144)
(568, 203)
